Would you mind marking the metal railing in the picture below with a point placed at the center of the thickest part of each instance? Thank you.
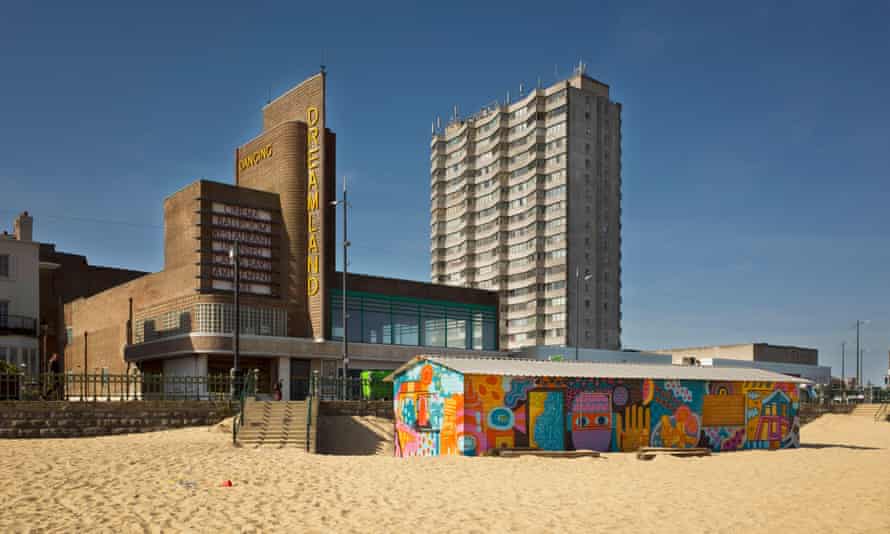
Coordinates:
(309, 401)
(109, 387)
(242, 393)
(339, 388)
(881, 414)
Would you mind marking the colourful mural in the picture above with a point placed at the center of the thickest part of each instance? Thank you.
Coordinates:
(428, 401)
(440, 411)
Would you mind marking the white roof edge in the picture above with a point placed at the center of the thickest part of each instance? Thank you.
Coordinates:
(570, 369)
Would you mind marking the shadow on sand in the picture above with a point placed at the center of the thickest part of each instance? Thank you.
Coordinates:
(838, 446)
(355, 436)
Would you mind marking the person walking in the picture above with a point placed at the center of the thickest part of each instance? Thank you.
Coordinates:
(54, 377)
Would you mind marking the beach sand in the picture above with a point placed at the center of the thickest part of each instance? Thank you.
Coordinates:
(170, 481)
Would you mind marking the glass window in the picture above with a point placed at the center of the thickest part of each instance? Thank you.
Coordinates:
(414, 322)
(405, 329)
(434, 325)
(457, 333)
(4, 265)
(336, 321)
(354, 319)
(376, 324)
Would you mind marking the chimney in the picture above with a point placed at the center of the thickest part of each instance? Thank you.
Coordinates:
(24, 227)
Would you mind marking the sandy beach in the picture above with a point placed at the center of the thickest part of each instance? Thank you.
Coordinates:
(171, 481)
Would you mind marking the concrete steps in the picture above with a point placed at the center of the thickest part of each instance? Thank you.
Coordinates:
(278, 424)
(866, 410)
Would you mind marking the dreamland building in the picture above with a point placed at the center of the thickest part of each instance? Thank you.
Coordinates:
(180, 321)
(526, 201)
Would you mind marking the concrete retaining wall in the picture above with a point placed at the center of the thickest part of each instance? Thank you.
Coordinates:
(61, 419)
(361, 408)
(810, 412)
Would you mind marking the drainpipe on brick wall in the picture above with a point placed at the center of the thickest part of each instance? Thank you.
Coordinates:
(83, 388)
(129, 332)
(130, 323)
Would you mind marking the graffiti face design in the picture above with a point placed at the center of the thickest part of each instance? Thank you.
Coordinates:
(592, 421)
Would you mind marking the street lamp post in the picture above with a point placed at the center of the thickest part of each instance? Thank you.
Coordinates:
(843, 371)
(859, 360)
(346, 244)
(587, 276)
(235, 255)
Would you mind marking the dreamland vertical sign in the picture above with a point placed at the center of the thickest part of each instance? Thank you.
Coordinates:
(313, 159)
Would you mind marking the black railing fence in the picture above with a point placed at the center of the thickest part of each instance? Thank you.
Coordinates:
(246, 389)
(124, 387)
(351, 388)
(109, 387)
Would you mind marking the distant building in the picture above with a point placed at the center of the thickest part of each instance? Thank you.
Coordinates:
(20, 296)
(526, 201)
(887, 376)
(559, 353)
(36, 281)
(793, 361)
(752, 352)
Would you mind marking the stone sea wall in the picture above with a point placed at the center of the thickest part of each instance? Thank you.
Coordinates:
(24, 419)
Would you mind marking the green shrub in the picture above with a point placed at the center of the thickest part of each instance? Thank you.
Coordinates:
(7, 368)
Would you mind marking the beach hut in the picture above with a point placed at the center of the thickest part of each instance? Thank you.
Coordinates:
(470, 406)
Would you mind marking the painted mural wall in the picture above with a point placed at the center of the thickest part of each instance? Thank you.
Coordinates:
(428, 399)
(476, 413)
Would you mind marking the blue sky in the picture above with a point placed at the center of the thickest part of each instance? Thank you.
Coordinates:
(756, 145)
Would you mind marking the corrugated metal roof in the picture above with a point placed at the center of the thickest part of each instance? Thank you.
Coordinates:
(523, 367)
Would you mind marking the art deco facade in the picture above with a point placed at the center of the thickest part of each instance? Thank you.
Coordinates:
(180, 321)
(526, 200)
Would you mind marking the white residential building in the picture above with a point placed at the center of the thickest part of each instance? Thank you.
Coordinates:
(20, 296)
(526, 201)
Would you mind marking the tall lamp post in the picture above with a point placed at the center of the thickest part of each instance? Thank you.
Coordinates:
(843, 371)
(235, 255)
(587, 276)
(859, 360)
(346, 244)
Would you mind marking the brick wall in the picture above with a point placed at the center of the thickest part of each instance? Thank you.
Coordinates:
(75, 419)
(73, 279)
(104, 318)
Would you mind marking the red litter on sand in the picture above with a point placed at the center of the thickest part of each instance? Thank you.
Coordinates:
(227, 484)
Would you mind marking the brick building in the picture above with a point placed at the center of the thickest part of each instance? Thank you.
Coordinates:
(280, 212)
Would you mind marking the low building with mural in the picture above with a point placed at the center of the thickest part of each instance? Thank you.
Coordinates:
(469, 406)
